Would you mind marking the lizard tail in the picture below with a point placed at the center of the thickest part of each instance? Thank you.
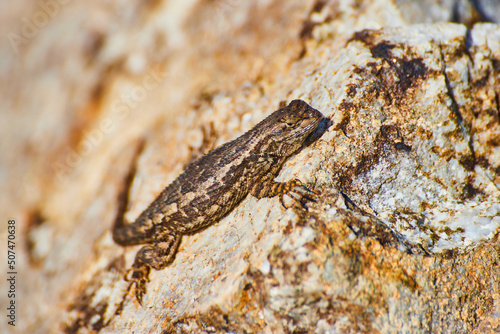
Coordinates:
(120, 230)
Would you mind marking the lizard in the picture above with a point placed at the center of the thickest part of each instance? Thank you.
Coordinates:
(212, 186)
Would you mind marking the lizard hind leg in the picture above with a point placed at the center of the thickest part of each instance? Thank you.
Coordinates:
(157, 256)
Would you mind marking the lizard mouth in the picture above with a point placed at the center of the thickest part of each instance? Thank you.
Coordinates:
(311, 126)
(304, 132)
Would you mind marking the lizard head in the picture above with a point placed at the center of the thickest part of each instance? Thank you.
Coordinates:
(288, 127)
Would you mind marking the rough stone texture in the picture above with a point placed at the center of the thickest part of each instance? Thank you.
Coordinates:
(467, 12)
(412, 145)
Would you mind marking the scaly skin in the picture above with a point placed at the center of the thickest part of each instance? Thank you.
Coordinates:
(213, 186)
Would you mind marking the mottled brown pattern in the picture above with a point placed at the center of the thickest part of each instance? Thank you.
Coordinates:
(212, 186)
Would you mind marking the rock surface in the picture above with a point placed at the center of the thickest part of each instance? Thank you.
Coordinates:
(402, 237)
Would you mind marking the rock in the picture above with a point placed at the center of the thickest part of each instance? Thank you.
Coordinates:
(405, 146)
(460, 11)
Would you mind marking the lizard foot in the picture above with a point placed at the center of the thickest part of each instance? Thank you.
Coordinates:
(138, 278)
(297, 191)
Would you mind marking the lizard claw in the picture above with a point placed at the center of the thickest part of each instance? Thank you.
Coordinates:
(294, 188)
(139, 278)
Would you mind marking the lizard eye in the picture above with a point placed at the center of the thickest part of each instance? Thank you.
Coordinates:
(290, 122)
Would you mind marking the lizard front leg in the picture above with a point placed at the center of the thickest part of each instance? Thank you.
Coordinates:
(158, 255)
(271, 188)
